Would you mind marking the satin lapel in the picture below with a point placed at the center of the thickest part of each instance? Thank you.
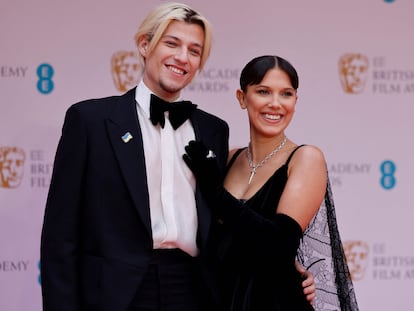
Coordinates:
(203, 212)
(202, 128)
(126, 138)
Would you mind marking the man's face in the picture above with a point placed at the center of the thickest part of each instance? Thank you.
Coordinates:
(175, 60)
(12, 168)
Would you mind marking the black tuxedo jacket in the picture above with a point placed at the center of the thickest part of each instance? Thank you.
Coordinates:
(96, 238)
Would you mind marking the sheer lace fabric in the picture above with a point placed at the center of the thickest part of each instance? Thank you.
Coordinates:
(322, 253)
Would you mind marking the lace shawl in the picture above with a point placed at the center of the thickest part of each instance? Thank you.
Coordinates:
(322, 253)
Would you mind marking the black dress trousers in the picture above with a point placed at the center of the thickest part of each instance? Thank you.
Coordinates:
(171, 283)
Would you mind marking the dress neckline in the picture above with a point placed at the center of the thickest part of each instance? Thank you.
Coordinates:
(285, 165)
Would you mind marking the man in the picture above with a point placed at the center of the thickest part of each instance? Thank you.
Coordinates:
(125, 227)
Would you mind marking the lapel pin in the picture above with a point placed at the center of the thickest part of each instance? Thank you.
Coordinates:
(127, 137)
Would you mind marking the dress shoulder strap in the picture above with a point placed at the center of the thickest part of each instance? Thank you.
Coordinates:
(233, 158)
(291, 154)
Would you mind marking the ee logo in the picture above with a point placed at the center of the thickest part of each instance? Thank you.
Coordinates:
(39, 279)
(388, 169)
(45, 83)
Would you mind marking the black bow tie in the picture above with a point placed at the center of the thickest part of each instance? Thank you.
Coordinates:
(178, 111)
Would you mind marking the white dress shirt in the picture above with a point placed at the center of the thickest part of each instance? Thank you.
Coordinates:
(171, 184)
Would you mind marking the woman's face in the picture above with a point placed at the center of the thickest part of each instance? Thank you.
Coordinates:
(270, 104)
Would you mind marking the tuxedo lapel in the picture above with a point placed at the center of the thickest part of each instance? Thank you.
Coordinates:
(202, 128)
(203, 211)
(126, 138)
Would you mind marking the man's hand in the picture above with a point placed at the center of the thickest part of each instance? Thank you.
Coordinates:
(309, 288)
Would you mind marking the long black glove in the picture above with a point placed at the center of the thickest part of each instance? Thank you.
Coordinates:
(257, 232)
(204, 165)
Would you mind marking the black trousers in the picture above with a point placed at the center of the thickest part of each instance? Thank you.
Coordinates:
(171, 283)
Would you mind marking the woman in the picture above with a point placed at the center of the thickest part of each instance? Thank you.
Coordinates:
(272, 192)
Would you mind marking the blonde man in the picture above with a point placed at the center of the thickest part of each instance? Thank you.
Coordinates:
(125, 226)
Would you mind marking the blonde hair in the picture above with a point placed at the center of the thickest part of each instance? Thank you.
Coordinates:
(157, 21)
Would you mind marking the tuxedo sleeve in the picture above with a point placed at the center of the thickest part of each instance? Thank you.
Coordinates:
(60, 233)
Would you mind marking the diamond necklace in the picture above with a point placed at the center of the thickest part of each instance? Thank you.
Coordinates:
(253, 167)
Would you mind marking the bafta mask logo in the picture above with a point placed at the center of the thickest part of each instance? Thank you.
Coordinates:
(125, 69)
(353, 72)
(11, 166)
(356, 253)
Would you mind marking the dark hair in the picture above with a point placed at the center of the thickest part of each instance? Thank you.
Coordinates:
(255, 70)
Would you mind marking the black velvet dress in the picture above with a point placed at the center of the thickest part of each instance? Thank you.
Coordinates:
(257, 254)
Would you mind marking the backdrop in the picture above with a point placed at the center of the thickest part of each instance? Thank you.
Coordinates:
(356, 94)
